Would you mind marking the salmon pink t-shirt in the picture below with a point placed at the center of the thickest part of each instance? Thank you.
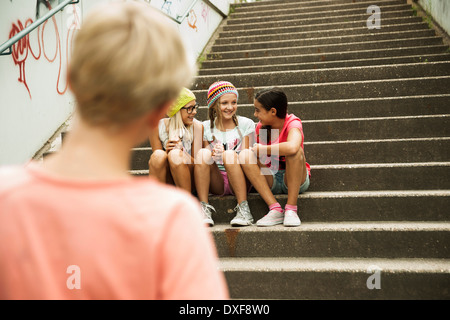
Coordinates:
(126, 239)
(279, 162)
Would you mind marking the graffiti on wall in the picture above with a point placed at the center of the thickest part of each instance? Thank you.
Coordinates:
(22, 50)
(192, 20)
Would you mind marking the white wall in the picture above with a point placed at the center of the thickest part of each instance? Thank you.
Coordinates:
(199, 25)
(35, 101)
(440, 10)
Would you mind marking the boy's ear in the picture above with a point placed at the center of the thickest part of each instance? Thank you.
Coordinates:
(159, 113)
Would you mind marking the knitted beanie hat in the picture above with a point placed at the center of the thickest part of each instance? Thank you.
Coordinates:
(183, 99)
(217, 89)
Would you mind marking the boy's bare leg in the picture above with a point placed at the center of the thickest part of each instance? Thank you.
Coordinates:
(260, 182)
(295, 175)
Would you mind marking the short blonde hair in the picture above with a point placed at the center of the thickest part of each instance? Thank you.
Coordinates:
(127, 60)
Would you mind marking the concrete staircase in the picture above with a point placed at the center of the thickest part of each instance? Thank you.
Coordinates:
(375, 106)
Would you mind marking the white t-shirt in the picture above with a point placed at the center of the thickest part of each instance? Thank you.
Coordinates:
(231, 139)
(164, 135)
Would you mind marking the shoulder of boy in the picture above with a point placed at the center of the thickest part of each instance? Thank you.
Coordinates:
(11, 177)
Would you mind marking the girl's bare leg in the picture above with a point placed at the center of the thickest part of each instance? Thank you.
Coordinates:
(252, 170)
(295, 175)
(236, 175)
(207, 175)
(158, 165)
(180, 170)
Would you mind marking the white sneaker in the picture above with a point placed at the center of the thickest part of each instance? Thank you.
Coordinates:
(243, 216)
(272, 218)
(206, 209)
(291, 219)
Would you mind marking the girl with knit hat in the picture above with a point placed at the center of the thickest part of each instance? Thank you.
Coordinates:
(217, 168)
(175, 143)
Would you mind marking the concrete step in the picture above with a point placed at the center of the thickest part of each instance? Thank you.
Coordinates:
(337, 278)
(353, 151)
(374, 176)
(327, 48)
(357, 19)
(349, 90)
(320, 57)
(378, 151)
(292, 4)
(356, 108)
(388, 239)
(377, 128)
(362, 30)
(381, 176)
(264, 29)
(313, 12)
(346, 206)
(312, 8)
(326, 64)
(328, 75)
(286, 43)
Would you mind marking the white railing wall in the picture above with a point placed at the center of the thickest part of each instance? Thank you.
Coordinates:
(439, 10)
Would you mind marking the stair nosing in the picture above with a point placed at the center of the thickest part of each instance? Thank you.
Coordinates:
(337, 69)
(325, 38)
(274, 57)
(407, 12)
(356, 264)
(342, 226)
(328, 45)
(325, 12)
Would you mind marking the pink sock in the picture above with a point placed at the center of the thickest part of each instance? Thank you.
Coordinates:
(289, 207)
(276, 207)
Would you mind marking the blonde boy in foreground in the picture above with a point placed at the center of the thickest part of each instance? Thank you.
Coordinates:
(80, 227)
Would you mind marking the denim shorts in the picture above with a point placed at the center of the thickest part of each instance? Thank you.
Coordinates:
(280, 187)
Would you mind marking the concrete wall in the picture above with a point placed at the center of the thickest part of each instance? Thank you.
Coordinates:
(440, 10)
(35, 100)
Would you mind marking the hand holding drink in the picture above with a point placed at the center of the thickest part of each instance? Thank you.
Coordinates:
(173, 143)
(217, 152)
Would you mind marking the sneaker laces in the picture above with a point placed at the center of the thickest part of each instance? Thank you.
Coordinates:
(243, 212)
(206, 208)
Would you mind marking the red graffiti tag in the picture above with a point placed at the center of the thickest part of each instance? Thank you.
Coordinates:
(20, 49)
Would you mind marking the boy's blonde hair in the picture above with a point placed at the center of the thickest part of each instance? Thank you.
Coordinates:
(127, 60)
